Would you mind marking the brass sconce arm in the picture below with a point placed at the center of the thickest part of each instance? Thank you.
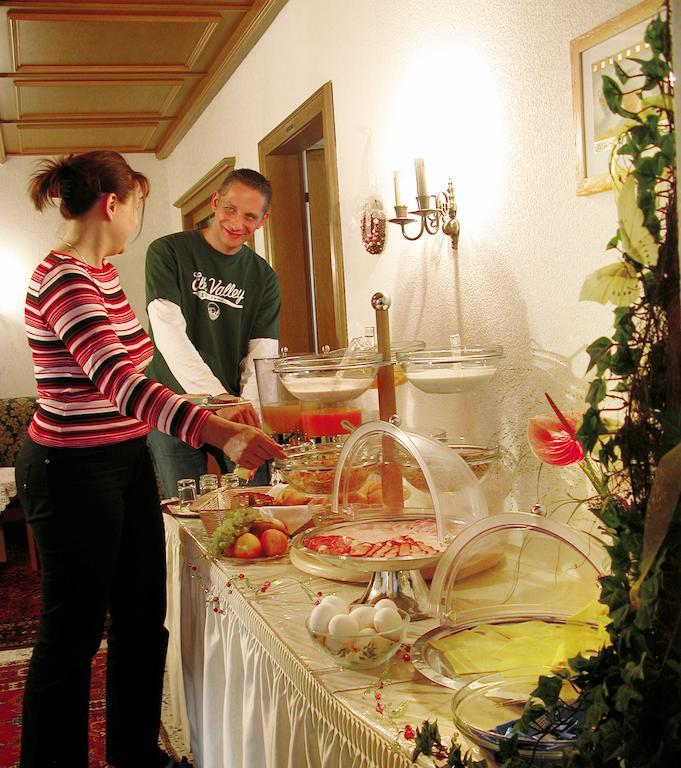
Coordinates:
(441, 216)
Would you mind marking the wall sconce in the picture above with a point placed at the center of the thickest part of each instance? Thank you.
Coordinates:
(435, 215)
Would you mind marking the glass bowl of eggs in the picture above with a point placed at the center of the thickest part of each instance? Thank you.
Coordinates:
(357, 636)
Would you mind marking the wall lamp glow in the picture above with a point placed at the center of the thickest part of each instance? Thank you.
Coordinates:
(435, 211)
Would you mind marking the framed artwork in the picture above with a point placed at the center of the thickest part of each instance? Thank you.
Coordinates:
(593, 55)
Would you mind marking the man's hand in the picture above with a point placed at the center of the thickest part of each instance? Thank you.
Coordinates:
(241, 413)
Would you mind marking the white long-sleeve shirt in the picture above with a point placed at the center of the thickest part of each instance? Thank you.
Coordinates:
(187, 365)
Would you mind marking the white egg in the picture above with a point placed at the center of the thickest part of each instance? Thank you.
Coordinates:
(321, 616)
(364, 638)
(335, 646)
(388, 620)
(337, 601)
(343, 626)
(385, 603)
(363, 615)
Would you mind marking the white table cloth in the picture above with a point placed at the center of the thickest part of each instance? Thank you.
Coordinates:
(257, 690)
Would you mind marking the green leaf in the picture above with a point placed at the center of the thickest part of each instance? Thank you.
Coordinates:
(638, 243)
(668, 147)
(617, 283)
(597, 391)
(624, 696)
(613, 97)
(655, 35)
(614, 241)
(664, 496)
(597, 350)
(621, 74)
(548, 689)
(656, 68)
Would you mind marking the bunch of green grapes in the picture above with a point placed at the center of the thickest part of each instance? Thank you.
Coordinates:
(238, 522)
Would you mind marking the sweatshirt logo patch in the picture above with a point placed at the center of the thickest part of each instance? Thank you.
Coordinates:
(210, 289)
(213, 310)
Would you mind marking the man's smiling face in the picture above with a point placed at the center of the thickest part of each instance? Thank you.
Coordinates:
(239, 211)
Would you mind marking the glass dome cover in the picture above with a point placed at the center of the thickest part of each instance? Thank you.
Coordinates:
(513, 592)
(329, 377)
(527, 566)
(421, 495)
(412, 471)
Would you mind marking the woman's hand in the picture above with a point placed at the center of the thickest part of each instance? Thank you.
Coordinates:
(245, 445)
(250, 447)
(241, 413)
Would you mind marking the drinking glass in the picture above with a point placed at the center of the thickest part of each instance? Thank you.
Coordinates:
(186, 492)
(208, 483)
(229, 480)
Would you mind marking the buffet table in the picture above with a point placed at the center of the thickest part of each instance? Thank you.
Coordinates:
(250, 688)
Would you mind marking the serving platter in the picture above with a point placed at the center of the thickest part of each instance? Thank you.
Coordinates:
(432, 663)
(342, 542)
(212, 405)
(315, 566)
(177, 511)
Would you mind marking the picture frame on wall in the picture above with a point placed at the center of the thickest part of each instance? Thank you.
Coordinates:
(593, 55)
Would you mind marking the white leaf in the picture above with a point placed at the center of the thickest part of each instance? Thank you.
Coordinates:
(638, 243)
(616, 283)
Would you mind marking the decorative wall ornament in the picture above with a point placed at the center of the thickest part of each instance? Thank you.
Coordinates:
(372, 225)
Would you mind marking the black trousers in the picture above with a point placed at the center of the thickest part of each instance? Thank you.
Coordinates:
(96, 518)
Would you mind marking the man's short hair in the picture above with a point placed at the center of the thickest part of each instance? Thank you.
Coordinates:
(251, 179)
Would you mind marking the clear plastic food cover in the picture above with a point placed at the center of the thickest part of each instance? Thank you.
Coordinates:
(408, 472)
(517, 566)
(329, 377)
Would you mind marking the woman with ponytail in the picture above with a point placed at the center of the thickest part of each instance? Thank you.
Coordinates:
(86, 480)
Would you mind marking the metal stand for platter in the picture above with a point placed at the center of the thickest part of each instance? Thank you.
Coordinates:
(407, 589)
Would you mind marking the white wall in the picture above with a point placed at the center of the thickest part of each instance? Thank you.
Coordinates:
(482, 91)
(26, 236)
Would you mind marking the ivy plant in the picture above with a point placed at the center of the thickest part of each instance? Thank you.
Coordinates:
(630, 691)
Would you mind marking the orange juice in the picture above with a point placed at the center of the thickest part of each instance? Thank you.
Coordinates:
(282, 418)
(326, 420)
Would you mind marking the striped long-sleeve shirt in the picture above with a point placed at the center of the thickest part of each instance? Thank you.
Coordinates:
(88, 352)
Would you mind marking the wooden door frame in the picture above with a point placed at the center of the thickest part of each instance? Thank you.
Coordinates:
(199, 194)
(290, 132)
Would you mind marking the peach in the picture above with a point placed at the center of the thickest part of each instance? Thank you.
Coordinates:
(247, 546)
(273, 542)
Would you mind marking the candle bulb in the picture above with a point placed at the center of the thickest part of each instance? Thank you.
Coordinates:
(421, 185)
(396, 180)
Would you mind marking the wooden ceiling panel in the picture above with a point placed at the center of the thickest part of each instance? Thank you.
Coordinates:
(73, 43)
(131, 75)
(82, 99)
(38, 139)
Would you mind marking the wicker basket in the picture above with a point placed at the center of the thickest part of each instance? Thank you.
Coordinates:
(212, 518)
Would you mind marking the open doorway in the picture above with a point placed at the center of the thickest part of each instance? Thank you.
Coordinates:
(303, 234)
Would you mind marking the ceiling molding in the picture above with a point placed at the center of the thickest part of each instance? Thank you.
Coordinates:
(137, 80)
(250, 31)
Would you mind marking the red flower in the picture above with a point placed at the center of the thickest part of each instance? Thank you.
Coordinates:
(553, 438)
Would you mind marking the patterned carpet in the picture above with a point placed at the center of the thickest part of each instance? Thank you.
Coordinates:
(19, 610)
(13, 666)
(20, 604)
